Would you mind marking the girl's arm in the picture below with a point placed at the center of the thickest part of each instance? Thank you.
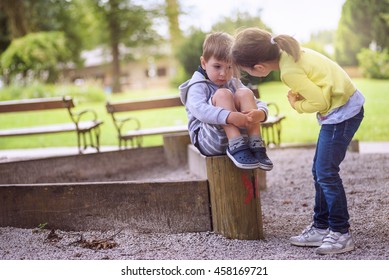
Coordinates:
(311, 99)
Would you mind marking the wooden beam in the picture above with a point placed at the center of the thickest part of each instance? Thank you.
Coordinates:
(235, 199)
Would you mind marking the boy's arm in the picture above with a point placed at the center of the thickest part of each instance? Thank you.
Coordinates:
(198, 104)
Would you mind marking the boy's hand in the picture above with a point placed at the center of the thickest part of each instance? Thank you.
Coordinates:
(238, 119)
(244, 119)
(255, 116)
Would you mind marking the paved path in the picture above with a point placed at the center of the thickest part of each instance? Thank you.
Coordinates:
(23, 154)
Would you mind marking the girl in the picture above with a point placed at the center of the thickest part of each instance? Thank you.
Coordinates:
(317, 85)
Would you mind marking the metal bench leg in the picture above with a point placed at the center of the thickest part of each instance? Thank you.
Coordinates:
(79, 142)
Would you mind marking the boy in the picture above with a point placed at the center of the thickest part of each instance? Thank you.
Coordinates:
(223, 114)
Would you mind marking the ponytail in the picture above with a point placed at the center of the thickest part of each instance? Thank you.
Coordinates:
(254, 45)
(289, 45)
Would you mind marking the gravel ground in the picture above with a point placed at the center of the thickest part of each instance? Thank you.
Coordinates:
(286, 205)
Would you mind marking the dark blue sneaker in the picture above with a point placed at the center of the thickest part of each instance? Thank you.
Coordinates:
(243, 158)
(264, 162)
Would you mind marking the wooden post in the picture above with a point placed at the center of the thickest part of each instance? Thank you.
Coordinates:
(175, 147)
(235, 199)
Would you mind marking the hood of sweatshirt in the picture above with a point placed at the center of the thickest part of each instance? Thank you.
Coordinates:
(199, 76)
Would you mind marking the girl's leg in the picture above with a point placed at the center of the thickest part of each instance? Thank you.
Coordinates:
(330, 199)
(320, 217)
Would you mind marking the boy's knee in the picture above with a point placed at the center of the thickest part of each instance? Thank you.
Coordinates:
(222, 94)
(244, 92)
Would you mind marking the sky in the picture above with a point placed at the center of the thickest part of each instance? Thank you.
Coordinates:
(298, 18)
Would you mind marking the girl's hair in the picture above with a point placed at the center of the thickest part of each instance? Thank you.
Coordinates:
(218, 45)
(253, 46)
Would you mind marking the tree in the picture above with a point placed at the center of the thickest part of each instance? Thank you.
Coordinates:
(240, 20)
(191, 48)
(172, 10)
(374, 64)
(16, 15)
(124, 23)
(72, 18)
(362, 22)
(189, 52)
(36, 56)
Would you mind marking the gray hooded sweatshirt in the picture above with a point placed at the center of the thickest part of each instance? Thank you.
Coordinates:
(195, 94)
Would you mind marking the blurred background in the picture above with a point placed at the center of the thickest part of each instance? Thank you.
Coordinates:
(99, 50)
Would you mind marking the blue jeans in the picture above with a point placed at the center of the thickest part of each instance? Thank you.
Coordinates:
(330, 210)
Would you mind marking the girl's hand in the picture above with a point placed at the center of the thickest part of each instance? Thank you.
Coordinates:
(293, 97)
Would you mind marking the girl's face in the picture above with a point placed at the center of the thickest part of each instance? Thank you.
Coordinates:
(259, 70)
(219, 72)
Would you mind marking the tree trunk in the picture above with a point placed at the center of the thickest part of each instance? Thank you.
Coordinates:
(172, 13)
(114, 26)
(116, 88)
(16, 17)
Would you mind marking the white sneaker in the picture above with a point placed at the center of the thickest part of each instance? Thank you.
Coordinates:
(311, 236)
(335, 243)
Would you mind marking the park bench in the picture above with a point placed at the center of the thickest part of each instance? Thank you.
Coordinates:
(271, 129)
(135, 135)
(88, 127)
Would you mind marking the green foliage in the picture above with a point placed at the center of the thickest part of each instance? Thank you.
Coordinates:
(42, 226)
(36, 56)
(362, 22)
(179, 77)
(317, 46)
(188, 54)
(73, 18)
(374, 64)
(82, 94)
(126, 23)
(239, 20)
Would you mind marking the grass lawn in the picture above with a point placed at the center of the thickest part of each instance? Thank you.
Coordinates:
(296, 128)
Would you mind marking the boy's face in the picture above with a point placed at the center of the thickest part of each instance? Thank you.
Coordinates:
(219, 72)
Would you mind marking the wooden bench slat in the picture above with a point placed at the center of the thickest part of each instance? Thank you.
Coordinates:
(138, 105)
(155, 131)
(144, 104)
(38, 129)
(271, 120)
(35, 104)
(55, 128)
(272, 126)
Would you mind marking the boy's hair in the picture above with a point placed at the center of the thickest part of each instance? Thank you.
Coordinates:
(217, 45)
(253, 46)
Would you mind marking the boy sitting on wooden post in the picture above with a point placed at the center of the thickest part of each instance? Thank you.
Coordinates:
(223, 114)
